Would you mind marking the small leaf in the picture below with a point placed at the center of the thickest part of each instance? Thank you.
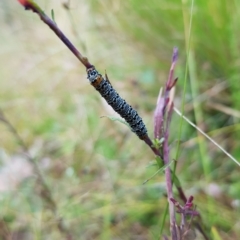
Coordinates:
(163, 168)
(117, 119)
(152, 164)
(52, 14)
(157, 143)
(159, 161)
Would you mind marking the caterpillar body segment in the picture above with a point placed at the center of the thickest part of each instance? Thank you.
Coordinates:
(106, 90)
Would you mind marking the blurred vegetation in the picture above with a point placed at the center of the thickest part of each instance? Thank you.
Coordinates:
(95, 167)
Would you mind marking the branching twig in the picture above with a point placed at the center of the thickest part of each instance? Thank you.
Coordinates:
(162, 119)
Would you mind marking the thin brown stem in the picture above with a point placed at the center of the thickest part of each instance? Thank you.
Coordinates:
(29, 5)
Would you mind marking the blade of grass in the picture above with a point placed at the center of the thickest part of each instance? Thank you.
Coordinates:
(188, 40)
(209, 138)
(163, 220)
(204, 158)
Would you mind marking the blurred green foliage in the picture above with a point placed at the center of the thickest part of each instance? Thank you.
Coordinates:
(95, 167)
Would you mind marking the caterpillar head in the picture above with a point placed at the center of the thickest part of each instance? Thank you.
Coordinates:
(92, 74)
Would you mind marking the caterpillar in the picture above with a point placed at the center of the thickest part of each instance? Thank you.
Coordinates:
(104, 87)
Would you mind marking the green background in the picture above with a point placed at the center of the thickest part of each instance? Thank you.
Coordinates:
(93, 166)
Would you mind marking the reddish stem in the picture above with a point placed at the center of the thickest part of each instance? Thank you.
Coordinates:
(35, 8)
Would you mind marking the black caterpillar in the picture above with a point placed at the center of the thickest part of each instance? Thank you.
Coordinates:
(104, 87)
